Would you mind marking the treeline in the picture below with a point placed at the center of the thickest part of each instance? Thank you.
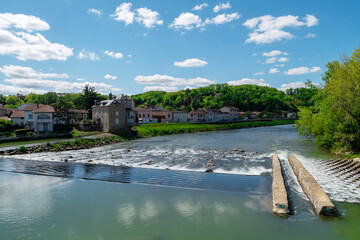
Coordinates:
(334, 119)
(82, 100)
(244, 97)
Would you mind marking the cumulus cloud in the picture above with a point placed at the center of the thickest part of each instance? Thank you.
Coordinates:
(89, 55)
(222, 19)
(302, 70)
(124, 14)
(166, 80)
(148, 17)
(12, 90)
(28, 45)
(273, 70)
(200, 6)
(221, 6)
(186, 21)
(259, 73)
(268, 29)
(95, 11)
(26, 80)
(283, 59)
(160, 88)
(274, 53)
(244, 81)
(271, 60)
(113, 54)
(310, 35)
(293, 85)
(108, 76)
(144, 15)
(193, 62)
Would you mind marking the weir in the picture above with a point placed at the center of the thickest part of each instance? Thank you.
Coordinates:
(318, 198)
(279, 194)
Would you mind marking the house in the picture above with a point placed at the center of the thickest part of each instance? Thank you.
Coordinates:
(78, 115)
(291, 115)
(254, 115)
(198, 116)
(180, 116)
(114, 114)
(214, 115)
(232, 111)
(158, 112)
(34, 116)
(224, 117)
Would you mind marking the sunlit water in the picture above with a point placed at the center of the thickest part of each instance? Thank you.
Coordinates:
(169, 195)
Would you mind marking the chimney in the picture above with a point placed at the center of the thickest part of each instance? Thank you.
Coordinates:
(95, 102)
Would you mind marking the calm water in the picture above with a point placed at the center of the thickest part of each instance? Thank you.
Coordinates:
(156, 188)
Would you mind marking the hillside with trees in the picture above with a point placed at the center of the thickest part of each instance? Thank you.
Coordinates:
(244, 97)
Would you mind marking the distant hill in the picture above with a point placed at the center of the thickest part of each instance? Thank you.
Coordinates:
(244, 97)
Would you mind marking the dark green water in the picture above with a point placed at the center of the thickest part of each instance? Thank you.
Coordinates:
(135, 201)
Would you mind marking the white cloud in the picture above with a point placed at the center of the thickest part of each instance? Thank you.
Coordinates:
(12, 90)
(221, 6)
(273, 70)
(113, 54)
(200, 6)
(244, 81)
(28, 45)
(160, 88)
(95, 11)
(27, 72)
(268, 29)
(129, 56)
(26, 79)
(310, 35)
(124, 14)
(259, 73)
(222, 18)
(302, 70)
(280, 65)
(148, 17)
(271, 60)
(107, 76)
(292, 85)
(186, 21)
(90, 55)
(193, 62)
(172, 81)
(283, 59)
(80, 79)
(274, 53)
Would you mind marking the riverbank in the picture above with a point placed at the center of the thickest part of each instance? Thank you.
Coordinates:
(159, 129)
(145, 130)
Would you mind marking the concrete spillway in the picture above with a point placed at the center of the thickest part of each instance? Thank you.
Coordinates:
(318, 198)
(279, 194)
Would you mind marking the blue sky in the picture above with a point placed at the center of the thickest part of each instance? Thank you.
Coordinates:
(135, 46)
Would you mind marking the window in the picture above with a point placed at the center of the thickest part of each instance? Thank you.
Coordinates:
(148, 115)
(117, 121)
(117, 113)
(43, 116)
(30, 116)
(168, 115)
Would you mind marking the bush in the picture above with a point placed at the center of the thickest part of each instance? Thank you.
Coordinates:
(22, 149)
(22, 131)
(58, 128)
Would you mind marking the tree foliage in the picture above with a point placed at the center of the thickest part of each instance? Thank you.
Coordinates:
(335, 118)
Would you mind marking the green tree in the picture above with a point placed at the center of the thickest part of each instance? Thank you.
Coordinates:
(335, 122)
(13, 101)
(62, 111)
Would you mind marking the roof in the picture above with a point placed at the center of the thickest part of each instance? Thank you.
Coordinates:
(179, 112)
(33, 106)
(5, 118)
(17, 114)
(199, 112)
(44, 109)
(256, 112)
(82, 111)
(232, 108)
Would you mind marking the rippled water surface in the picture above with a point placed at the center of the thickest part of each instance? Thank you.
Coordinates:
(169, 195)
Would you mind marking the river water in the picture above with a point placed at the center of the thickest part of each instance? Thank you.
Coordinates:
(157, 188)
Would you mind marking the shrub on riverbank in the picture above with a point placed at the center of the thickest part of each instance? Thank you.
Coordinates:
(158, 129)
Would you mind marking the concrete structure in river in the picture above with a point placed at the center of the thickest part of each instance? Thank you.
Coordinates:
(279, 195)
(319, 199)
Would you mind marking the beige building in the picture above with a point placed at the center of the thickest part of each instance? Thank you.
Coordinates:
(114, 115)
(198, 116)
(157, 112)
(232, 111)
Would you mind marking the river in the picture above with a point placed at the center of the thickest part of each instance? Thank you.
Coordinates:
(157, 188)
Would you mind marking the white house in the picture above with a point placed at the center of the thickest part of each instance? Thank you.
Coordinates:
(180, 116)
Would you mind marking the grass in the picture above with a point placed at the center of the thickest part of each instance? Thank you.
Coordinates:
(158, 129)
(84, 134)
(12, 144)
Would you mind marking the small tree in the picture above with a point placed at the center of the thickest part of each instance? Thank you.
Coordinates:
(62, 112)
